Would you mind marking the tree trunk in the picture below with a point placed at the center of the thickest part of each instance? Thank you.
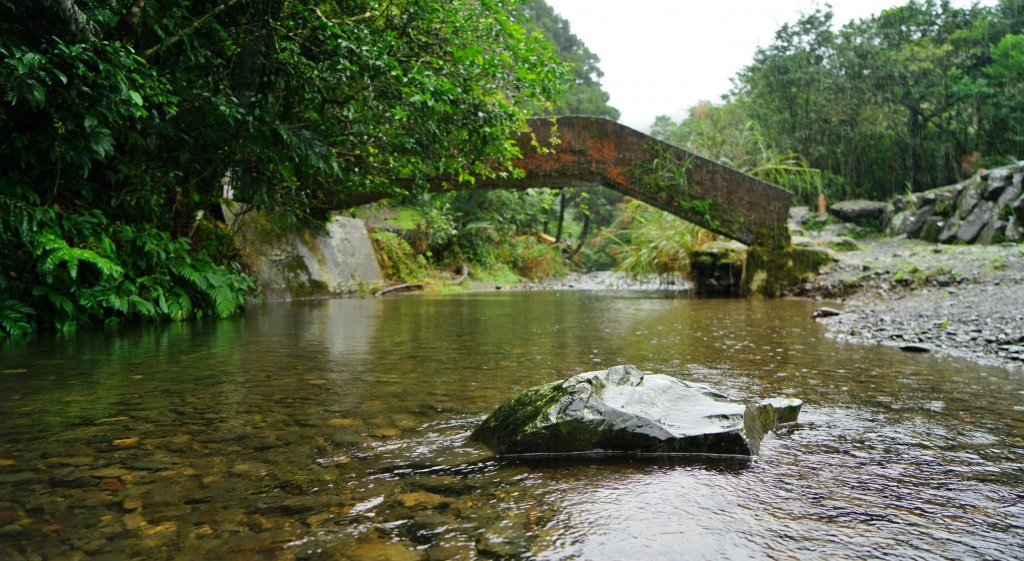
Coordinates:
(583, 236)
(77, 27)
(561, 217)
(915, 151)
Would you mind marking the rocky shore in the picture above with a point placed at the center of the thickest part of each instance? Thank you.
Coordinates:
(960, 300)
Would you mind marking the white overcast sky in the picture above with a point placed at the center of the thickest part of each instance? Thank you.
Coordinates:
(660, 57)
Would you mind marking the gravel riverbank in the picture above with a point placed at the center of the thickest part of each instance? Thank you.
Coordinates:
(965, 301)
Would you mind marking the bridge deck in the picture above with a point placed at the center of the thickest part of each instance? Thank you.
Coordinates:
(581, 151)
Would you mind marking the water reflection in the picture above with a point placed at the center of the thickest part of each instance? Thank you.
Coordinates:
(327, 430)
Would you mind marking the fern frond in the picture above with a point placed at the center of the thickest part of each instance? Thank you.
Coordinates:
(188, 273)
(14, 318)
(142, 306)
(224, 300)
(59, 252)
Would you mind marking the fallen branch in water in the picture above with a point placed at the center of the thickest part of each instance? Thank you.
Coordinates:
(399, 288)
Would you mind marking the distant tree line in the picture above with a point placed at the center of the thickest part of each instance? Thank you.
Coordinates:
(915, 97)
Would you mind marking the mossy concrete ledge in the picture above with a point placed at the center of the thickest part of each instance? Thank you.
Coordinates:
(300, 262)
(625, 410)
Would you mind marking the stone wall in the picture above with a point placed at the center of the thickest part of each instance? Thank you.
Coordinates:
(987, 208)
(305, 263)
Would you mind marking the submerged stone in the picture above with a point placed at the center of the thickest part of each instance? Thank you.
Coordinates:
(625, 410)
(787, 409)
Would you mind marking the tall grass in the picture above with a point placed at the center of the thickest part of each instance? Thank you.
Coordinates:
(647, 241)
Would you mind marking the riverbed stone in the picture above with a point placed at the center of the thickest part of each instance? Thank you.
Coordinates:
(968, 199)
(504, 539)
(625, 410)
(976, 221)
(421, 499)
(993, 232)
(863, 213)
(919, 221)
(999, 180)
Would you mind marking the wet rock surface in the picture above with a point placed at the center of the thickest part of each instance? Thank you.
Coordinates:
(863, 212)
(984, 209)
(625, 410)
(963, 301)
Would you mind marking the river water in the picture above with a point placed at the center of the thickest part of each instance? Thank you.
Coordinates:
(337, 430)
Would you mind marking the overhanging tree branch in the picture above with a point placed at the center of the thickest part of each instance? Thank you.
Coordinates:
(77, 26)
(172, 40)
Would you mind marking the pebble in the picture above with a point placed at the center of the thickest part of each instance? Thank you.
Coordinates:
(826, 312)
(980, 320)
(421, 499)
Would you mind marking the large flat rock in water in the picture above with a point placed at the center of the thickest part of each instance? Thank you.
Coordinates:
(623, 409)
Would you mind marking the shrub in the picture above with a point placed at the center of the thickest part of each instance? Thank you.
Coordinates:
(397, 260)
(67, 268)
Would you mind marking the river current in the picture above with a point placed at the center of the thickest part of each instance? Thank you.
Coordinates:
(337, 430)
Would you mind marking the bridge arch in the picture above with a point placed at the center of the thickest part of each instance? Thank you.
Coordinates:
(588, 151)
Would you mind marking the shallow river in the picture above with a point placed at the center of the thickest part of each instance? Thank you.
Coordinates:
(337, 430)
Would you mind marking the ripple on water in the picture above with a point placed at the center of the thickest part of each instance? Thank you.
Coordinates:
(337, 430)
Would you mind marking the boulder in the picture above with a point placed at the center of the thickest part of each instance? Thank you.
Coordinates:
(799, 214)
(624, 410)
(968, 199)
(976, 221)
(900, 224)
(919, 221)
(1015, 230)
(932, 229)
(999, 180)
(950, 230)
(1010, 194)
(863, 213)
(787, 409)
(993, 232)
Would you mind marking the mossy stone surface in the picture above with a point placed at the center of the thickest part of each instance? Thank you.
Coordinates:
(625, 410)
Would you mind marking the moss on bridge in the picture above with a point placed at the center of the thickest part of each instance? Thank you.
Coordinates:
(587, 151)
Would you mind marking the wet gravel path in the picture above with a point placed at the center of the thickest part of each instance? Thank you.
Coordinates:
(965, 301)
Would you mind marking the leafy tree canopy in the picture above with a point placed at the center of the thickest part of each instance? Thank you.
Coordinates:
(913, 97)
(122, 125)
(584, 94)
(894, 100)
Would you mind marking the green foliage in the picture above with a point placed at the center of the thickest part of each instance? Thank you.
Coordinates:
(397, 260)
(120, 132)
(652, 242)
(726, 134)
(911, 95)
(65, 268)
(532, 259)
(14, 318)
(476, 226)
(583, 94)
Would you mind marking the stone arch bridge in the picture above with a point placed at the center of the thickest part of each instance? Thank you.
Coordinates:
(589, 151)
